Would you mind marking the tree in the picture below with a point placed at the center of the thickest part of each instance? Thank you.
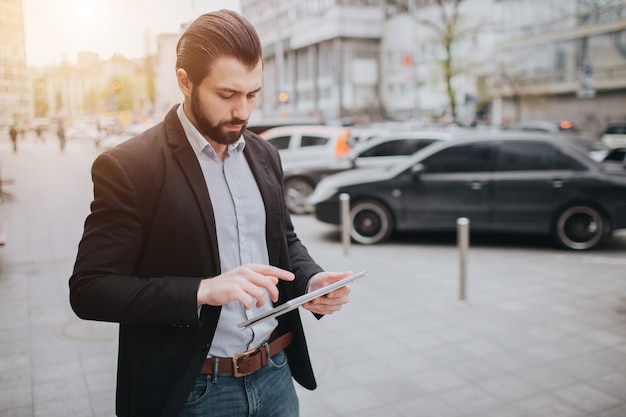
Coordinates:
(513, 83)
(449, 30)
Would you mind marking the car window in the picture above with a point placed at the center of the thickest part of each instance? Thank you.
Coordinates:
(476, 157)
(397, 147)
(616, 130)
(280, 142)
(533, 156)
(308, 140)
(618, 154)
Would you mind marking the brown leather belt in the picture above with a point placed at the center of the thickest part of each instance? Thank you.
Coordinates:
(249, 362)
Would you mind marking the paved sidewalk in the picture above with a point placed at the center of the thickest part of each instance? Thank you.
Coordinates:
(542, 333)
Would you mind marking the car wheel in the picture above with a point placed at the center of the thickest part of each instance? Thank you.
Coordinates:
(297, 191)
(371, 222)
(580, 227)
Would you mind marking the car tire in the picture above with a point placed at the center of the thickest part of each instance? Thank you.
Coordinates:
(580, 227)
(371, 222)
(297, 191)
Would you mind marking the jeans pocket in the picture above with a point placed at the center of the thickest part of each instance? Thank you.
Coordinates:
(200, 391)
(279, 360)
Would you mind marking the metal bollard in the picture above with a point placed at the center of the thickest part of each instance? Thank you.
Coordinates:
(463, 243)
(344, 200)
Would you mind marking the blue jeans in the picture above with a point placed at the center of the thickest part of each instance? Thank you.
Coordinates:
(269, 392)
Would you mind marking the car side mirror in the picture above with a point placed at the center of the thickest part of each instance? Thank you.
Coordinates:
(416, 171)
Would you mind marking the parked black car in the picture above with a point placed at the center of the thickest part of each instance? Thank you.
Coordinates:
(502, 181)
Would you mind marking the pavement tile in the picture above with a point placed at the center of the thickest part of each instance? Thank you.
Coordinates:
(546, 377)
(587, 398)
(509, 388)
(470, 400)
(103, 403)
(474, 370)
(78, 407)
(619, 411)
(353, 399)
(59, 389)
(613, 384)
(547, 405)
(18, 412)
(14, 397)
(437, 379)
(429, 406)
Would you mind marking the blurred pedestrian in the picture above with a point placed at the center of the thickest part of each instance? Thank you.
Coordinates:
(61, 134)
(39, 133)
(189, 235)
(13, 135)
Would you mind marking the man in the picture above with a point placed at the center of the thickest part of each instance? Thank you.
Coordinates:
(189, 235)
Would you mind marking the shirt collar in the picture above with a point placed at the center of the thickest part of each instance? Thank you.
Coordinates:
(197, 141)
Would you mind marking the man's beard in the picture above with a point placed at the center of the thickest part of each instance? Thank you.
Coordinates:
(208, 129)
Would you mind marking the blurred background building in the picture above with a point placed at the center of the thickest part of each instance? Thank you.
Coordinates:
(563, 59)
(499, 60)
(15, 93)
(353, 61)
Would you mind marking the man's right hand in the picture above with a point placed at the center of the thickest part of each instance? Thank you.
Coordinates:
(244, 283)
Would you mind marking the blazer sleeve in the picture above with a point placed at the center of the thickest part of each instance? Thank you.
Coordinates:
(102, 286)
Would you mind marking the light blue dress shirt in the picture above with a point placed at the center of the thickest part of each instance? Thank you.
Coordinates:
(240, 225)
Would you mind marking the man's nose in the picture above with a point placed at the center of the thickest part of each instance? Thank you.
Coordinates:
(242, 109)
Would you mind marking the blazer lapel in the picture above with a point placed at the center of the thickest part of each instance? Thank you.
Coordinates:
(188, 162)
(189, 165)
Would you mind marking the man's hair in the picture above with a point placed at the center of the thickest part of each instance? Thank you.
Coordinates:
(214, 35)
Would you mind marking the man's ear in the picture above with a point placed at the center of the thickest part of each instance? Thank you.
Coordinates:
(184, 83)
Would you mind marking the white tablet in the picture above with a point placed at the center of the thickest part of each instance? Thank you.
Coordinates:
(298, 301)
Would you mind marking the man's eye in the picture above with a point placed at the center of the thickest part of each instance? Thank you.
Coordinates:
(226, 96)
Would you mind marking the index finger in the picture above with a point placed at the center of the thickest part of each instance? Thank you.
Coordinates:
(272, 271)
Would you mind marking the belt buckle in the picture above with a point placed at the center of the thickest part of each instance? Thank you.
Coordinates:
(242, 355)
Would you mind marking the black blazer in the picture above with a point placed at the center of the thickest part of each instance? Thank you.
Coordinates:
(149, 240)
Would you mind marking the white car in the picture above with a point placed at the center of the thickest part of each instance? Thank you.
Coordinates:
(309, 142)
(614, 136)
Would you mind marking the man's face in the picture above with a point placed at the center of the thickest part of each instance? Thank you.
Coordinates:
(222, 103)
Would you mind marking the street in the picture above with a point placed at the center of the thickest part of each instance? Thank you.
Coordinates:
(542, 331)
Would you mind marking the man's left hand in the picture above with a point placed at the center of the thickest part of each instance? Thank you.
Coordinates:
(331, 302)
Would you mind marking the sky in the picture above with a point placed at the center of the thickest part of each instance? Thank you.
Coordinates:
(57, 30)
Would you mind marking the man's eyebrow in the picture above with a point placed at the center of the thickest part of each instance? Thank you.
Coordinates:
(234, 91)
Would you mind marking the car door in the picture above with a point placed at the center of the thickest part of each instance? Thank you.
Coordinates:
(316, 146)
(454, 182)
(529, 181)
